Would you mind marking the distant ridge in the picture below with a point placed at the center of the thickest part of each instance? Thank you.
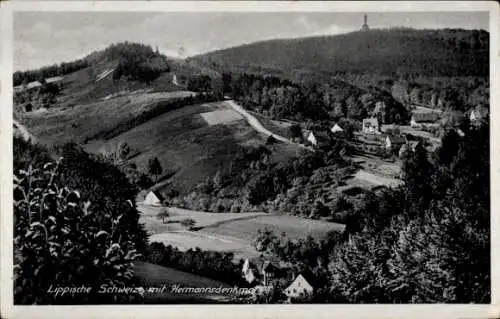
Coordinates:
(444, 52)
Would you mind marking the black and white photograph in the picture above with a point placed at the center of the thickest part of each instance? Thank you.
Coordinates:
(250, 156)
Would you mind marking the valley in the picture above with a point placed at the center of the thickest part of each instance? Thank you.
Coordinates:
(337, 165)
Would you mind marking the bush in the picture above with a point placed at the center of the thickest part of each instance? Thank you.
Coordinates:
(235, 208)
(271, 140)
(188, 222)
(61, 241)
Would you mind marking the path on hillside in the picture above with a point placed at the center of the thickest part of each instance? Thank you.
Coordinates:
(104, 74)
(255, 123)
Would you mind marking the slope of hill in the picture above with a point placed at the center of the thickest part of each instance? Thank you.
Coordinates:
(448, 52)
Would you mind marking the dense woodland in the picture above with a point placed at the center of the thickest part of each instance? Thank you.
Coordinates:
(444, 52)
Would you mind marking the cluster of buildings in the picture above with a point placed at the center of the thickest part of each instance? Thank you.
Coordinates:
(36, 85)
(264, 274)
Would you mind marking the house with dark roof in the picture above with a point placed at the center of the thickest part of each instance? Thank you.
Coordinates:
(264, 270)
(394, 142)
(320, 138)
(422, 118)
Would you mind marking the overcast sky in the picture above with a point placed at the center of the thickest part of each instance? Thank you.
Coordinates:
(43, 38)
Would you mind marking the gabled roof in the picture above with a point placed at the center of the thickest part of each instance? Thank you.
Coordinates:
(269, 267)
(396, 139)
(157, 194)
(302, 276)
(322, 135)
(54, 79)
(480, 112)
(33, 84)
(336, 128)
(425, 117)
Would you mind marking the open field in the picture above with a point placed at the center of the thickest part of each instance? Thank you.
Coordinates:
(203, 219)
(221, 117)
(293, 227)
(226, 231)
(368, 178)
(155, 276)
(60, 125)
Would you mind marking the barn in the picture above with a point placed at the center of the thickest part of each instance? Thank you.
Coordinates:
(153, 198)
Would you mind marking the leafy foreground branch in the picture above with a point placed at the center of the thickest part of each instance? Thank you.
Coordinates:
(60, 241)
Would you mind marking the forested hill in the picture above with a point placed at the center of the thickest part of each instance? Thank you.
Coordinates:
(444, 52)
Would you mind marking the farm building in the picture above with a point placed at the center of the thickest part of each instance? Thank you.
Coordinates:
(19, 88)
(417, 119)
(263, 271)
(319, 138)
(478, 114)
(394, 142)
(299, 288)
(336, 129)
(54, 80)
(371, 126)
(153, 198)
(33, 85)
(269, 271)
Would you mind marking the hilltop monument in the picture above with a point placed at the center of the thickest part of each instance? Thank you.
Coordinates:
(365, 25)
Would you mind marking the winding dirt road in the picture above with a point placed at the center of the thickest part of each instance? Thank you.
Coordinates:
(255, 123)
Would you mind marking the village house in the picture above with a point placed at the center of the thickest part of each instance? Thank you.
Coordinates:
(419, 119)
(153, 198)
(371, 126)
(478, 114)
(33, 85)
(263, 272)
(19, 88)
(319, 138)
(394, 142)
(249, 272)
(336, 129)
(299, 288)
(56, 80)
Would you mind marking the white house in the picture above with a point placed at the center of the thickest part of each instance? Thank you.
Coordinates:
(336, 128)
(371, 126)
(248, 272)
(299, 288)
(311, 138)
(478, 114)
(153, 198)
